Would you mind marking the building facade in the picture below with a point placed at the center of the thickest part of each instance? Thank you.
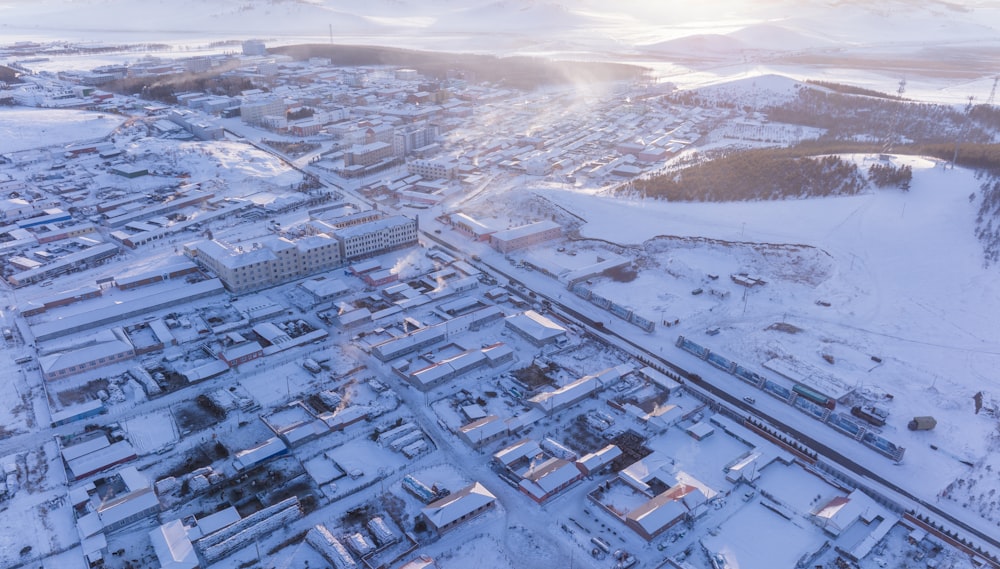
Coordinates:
(525, 236)
(254, 112)
(254, 47)
(458, 507)
(432, 169)
(106, 348)
(275, 260)
(268, 262)
(368, 154)
(376, 237)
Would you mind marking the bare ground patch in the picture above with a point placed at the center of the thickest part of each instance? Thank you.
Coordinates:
(784, 327)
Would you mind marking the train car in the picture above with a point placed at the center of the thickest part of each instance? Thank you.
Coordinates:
(815, 397)
(873, 415)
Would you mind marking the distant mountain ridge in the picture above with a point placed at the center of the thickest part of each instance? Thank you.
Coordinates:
(715, 26)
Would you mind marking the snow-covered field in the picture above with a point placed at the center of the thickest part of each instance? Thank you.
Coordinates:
(901, 271)
(23, 129)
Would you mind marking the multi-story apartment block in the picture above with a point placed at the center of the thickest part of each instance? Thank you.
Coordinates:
(416, 137)
(254, 47)
(254, 111)
(268, 262)
(367, 154)
(275, 260)
(376, 237)
(433, 169)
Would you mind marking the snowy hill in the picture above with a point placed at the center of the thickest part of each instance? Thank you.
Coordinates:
(784, 36)
(699, 46)
(714, 27)
(512, 16)
(186, 17)
(760, 90)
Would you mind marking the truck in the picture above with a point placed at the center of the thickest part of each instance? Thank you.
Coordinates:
(311, 366)
(923, 423)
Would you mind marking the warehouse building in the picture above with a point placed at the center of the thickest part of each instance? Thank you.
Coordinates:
(525, 236)
(458, 507)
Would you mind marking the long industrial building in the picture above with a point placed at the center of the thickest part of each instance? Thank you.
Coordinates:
(120, 313)
(275, 260)
(74, 261)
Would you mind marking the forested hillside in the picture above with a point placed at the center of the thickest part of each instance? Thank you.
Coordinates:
(766, 174)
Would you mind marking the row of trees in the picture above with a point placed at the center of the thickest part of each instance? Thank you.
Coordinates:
(885, 175)
(988, 218)
(516, 71)
(851, 89)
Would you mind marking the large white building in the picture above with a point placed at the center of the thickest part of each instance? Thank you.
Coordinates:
(106, 347)
(376, 237)
(433, 169)
(273, 260)
(267, 262)
(458, 507)
(254, 47)
(254, 111)
(368, 154)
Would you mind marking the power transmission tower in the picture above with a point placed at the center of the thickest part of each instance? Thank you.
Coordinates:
(964, 130)
(890, 139)
(993, 91)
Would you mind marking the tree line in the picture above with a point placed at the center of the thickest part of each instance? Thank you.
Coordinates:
(763, 174)
(851, 89)
(849, 117)
(885, 175)
(520, 72)
(988, 218)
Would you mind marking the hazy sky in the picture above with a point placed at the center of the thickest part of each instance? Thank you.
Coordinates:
(518, 25)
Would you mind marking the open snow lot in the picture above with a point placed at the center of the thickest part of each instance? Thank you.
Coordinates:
(365, 462)
(902, 273)
(794, 486)
(35, 524)
(23, 129)
(151, 431)
(238, 163)
(70, 559)
(703, 459)
(757, 538)
(482, 551)
(15, 416)
(274, 383)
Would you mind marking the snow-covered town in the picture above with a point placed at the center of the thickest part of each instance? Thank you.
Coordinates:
(265, 308)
